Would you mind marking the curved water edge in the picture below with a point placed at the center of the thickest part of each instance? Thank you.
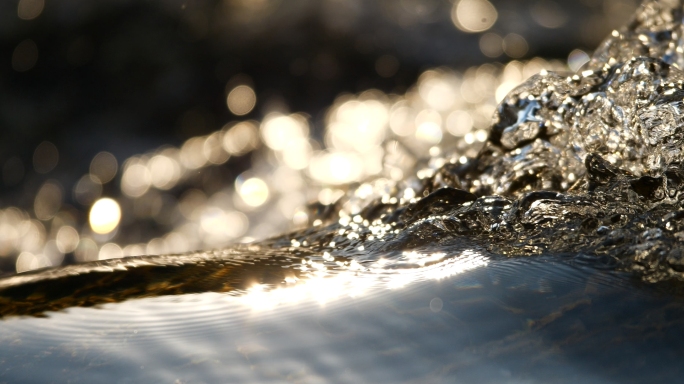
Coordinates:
(542, 319)
(275, 276)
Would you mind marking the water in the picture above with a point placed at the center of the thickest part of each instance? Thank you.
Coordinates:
(544, 319)
(552, 256)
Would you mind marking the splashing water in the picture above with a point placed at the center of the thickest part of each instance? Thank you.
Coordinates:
(581, 171)
(586, 164)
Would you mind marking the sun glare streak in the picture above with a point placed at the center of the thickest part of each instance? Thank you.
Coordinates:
(330, 280)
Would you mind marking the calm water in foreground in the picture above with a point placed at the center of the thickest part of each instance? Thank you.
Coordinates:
(469, 318)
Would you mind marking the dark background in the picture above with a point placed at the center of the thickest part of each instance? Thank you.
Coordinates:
(129, 76)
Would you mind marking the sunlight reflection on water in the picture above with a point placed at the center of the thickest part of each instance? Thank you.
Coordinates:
(454, 322)
(354, 280)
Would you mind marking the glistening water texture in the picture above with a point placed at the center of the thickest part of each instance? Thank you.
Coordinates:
(553, 253)
(535, 320)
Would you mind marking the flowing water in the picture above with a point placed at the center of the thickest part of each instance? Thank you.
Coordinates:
(528, 320)
(552, 256)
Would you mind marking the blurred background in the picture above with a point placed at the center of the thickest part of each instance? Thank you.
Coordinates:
(142, 127)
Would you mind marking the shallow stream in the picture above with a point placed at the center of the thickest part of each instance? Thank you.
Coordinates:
(552, 255)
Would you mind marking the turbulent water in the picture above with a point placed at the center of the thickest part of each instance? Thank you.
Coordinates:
(581, 171)
(585, 164)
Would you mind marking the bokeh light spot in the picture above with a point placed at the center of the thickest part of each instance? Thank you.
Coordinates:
(278, 130)
(110, 251)
(254, 191)
(30, 9)
(27, 261)
(297, 154)
(491, 45)
(136, 180)
(105, 216)
(515, 45)
(164, 171)
(241, 100)
(67, 239)
(87, 190)
(104, 167)
(576, 59)
(459, 123)
(387, 66)
(548, 14)
(429, 132)
(25, 56)
(241, 138)
(436, 304)
(45, 157)
(48, 200)
(473, 15)
(86, 250)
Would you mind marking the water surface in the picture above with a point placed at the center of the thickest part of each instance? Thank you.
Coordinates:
(535, 320)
